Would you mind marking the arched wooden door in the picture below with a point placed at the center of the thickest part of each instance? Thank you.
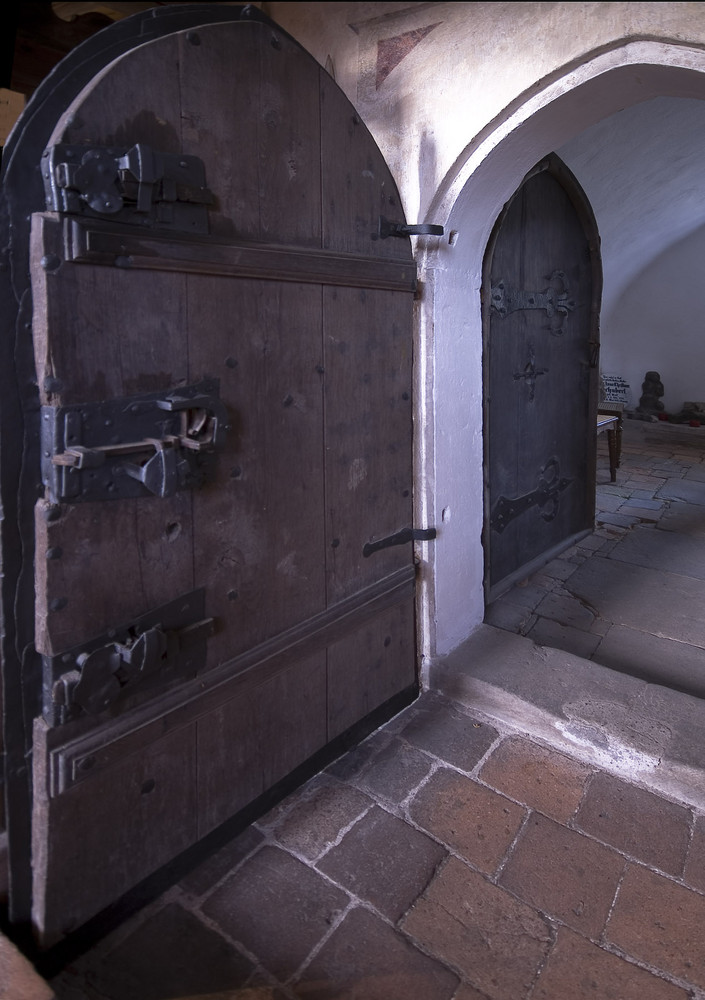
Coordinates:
(542, 285)
(217, 465)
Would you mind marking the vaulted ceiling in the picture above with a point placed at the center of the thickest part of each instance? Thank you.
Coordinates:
(642, 170)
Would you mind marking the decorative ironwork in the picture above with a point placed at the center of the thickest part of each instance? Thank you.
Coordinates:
(546, 496)
(530, 373)
(556, 301)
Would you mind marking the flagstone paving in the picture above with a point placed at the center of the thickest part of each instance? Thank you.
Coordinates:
(630, 595)
(451, 857)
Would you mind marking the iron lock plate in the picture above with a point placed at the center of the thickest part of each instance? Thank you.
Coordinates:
(131, 661)
(132, 184)
(154, 444)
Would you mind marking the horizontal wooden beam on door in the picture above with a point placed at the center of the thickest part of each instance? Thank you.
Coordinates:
(91, 243)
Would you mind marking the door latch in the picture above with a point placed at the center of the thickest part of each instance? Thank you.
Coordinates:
(134, 184)
(166, 644)
(133, 446)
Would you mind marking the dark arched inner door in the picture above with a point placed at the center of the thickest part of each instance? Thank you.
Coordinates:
(541, 296)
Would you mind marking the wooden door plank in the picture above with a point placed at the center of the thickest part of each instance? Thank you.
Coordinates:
(267, 103)
(103, 836)
(253, 741)
(367, 434)
(258, 528)
(217, 121)
(289, 142)
(103, 563)
(369, 666)
(131, 109)
(357, 186)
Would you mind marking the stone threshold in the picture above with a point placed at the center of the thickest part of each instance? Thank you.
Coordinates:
(646, 733)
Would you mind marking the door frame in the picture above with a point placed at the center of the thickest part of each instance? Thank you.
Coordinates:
(554, 166)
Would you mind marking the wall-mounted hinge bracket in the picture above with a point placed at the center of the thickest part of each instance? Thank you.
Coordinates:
(401, 229)
(132, 184)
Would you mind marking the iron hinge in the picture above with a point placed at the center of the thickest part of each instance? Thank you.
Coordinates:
(155, 444)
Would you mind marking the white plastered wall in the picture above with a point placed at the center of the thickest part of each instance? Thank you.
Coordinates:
(642, 169)
(492, 88)
(451, 329)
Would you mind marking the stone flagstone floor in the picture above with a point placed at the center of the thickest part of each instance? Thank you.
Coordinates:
(630, 596)
(447, 858)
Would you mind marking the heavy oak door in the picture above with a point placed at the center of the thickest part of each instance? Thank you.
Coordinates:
(541, 296)
(222, 345)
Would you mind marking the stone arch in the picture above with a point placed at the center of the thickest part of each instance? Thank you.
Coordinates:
(467, 203)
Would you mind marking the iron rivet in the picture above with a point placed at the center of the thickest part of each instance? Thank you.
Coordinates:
(58, 603)
(232, 595)
(148, 786)
(193, 38)
(87, 763)
(405, 395)
(231, 362)
(335, 543)
(50, 262)
(55, 552)
(236, 472)
(388, 640)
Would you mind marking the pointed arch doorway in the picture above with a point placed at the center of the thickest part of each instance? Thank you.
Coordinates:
(541, 290)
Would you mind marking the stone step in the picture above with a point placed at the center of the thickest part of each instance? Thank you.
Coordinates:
(644, 732)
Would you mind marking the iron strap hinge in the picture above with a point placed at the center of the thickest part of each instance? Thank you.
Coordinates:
(400, 538)
(546, 497)
(155, 444)
(555, 299)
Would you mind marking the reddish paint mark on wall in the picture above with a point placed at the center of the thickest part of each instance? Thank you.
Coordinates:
(391, 51)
